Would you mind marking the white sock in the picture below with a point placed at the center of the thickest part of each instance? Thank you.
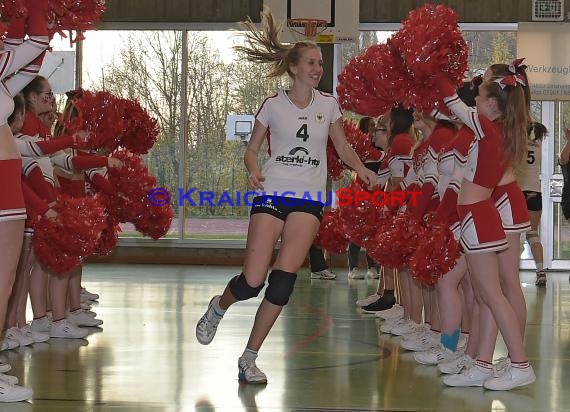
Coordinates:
(249, 354)
(539, 266)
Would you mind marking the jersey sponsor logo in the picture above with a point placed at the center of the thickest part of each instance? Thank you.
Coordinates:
(298, 149)
(296, 159)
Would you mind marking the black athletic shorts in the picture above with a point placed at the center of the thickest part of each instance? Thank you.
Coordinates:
(533, 200)
(280, 206)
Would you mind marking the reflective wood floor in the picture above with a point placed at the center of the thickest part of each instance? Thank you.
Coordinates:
(322, 355)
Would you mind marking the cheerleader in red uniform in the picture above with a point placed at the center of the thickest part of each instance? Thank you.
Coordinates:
(511, 204)
(447, 179)
(74, 171)
(16, 55)
(408, 287)
(394, 167)
(422, 178)
(36, 206)
(38, 96)
(500, 126)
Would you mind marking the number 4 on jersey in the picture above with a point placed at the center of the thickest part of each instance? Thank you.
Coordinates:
(302, 133)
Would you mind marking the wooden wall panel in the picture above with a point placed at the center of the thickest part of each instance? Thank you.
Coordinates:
(470, 11)
(371, 11)
(181, 11)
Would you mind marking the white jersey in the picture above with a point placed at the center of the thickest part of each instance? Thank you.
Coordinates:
(528, 173)
(297, 164)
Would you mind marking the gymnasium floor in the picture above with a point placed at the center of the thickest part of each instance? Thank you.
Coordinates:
(322, 355)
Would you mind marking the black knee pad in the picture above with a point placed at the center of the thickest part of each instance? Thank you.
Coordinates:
(241, 289)
(280, 286)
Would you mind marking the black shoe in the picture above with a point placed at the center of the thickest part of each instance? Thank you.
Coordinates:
(385, 302)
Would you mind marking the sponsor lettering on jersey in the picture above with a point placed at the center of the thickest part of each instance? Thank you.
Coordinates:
(296, 159)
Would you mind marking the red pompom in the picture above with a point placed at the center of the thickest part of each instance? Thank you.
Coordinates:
(436, 253)
(109, 238)
(132, 184)
(431, 45)
(100, 114)
(10, 9)
(62, 243)
(155, 221)
(396, 241)
(141, 130)
(373, 82)
(74, 15)
(330, 236)
(359, 141)
(335, 166)
(359, 219)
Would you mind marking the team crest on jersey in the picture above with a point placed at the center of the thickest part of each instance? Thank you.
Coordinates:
(320, 118)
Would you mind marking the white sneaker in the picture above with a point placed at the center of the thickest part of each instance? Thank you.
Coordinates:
(355, 274)
(37, 337)
(79, 318)
(509, 377)
(208, 323)
(453, 366)
(372, 273)
(15, 334)
(89, 313)
(249, 372)
(4, 367)
(414, 336)
(323, 274)
(66, 329)
(407, 328)
(436, 355)
(470, 376)
(86, 305)
(395, 312)
(367, 300)
(12, 380)
(425, 341)
(41, 325)
(14, 393)
(8, 344)
(388, 325)
(88, 295)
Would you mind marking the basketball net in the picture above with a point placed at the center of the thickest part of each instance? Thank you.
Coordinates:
(306, 29)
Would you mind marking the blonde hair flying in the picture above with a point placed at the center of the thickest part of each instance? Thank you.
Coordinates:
(264, 46)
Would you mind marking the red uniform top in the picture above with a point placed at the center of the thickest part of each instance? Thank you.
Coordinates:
(427, 175)
(451, 170)
(486, 162)
(398, 159)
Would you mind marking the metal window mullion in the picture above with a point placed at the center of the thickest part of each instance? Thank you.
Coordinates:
(183, 131)
(547, 170)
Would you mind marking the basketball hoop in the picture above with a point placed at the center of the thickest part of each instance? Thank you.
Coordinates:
(302, 28)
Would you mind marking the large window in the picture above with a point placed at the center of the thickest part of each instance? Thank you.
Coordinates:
(143, 65)
(192, 159)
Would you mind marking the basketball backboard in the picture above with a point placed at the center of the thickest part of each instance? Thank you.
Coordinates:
(59, 68)
(239, 127)
(342, 18)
